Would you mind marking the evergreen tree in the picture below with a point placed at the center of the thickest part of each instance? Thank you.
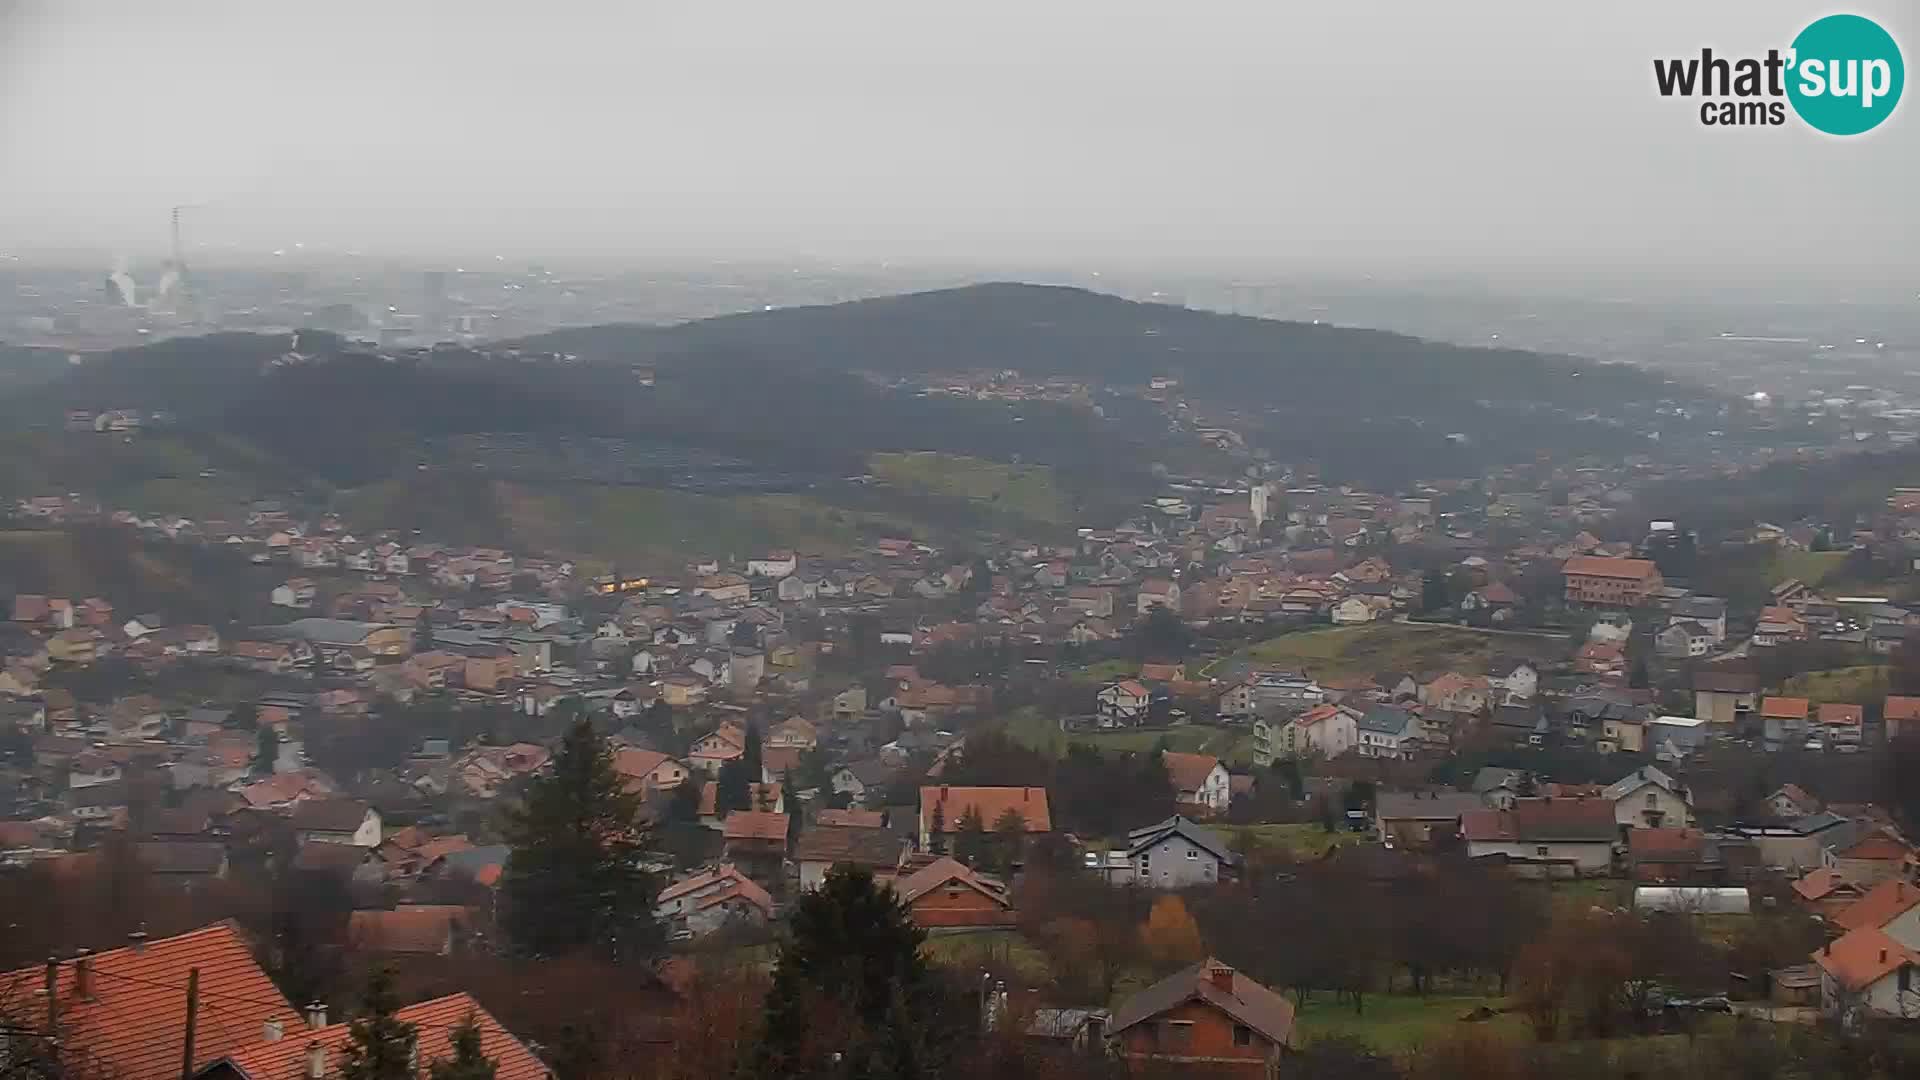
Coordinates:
(752, 759)
(937, 830)
(792, 801)
(731, 788)
(469, 1061)
(1009, 835)
(423, 632)
(380, 1046)
(1433, 591)
(266, 749)
(243, 717)
(572, 880)
(970, 843)
(683, 804)
(852, 956)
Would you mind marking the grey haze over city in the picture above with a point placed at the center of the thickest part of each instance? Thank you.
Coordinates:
(1507, 138)
(1042, 540)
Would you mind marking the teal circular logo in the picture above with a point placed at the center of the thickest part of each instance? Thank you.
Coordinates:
(1846, 74)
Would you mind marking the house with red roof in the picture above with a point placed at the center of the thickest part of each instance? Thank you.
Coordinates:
(716, 748)
(1124, 703)
(1902, 715)
(1598, 581)
(946, 895)
(1866, 972)
(1825, 893)
(123, 1012)
(648, 771)
(943, 808)
(1545, 836)
(320, 1053)
(708, 900)
(1209, 1018)
(1892, 907)
(1876, 857)
(1841, 724)
(1199, 781)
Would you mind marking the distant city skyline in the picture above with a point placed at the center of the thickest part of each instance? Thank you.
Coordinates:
(1496, 138)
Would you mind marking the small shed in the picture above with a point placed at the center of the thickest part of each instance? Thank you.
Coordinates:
(1693, 900)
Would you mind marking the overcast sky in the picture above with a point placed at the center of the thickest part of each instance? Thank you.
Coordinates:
(1366, 133)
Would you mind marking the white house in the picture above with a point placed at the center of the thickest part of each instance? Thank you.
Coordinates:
(1198, 780)
(1387, 732)
(1650, 799)
(776, 564)
(1350, 611)
(1867, 972)
(1324, 730)
(1125, 702)
(709, 900)
(294, 593)
(1516, 680)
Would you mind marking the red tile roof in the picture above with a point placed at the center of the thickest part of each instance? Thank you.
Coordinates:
(1784, 708)
(435, 1022)
(954, 802)
(1881, 905)
(1863, 957)
(1878, 847)
(1240, 997)
(131, 1022)
(1819, 884)
(1600, 566)
(1189, 771)
(1841, 715)
(756, 825)
(1666, 845)
(941, 871)
(1902, 708)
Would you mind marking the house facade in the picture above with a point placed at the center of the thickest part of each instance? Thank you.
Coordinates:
(1650, 799)
(1593, 580)
(1199, 780)
(1175, 854)
(1208, 1019)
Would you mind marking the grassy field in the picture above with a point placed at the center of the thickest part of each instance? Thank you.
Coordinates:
(1030, 728)
(611, 524)
(1348, 651)
(1304, 841)
(1107, 671)
(1807, 566)
(1023, 491)
(1394, 1023)
(1000, 948)
(1862, 684)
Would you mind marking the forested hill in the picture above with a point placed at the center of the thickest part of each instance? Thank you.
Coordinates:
(1366, 406)
(777, 389)
(1042, 329)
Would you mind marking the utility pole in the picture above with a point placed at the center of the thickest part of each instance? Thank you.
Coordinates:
(193, 1018)
(53, 998)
